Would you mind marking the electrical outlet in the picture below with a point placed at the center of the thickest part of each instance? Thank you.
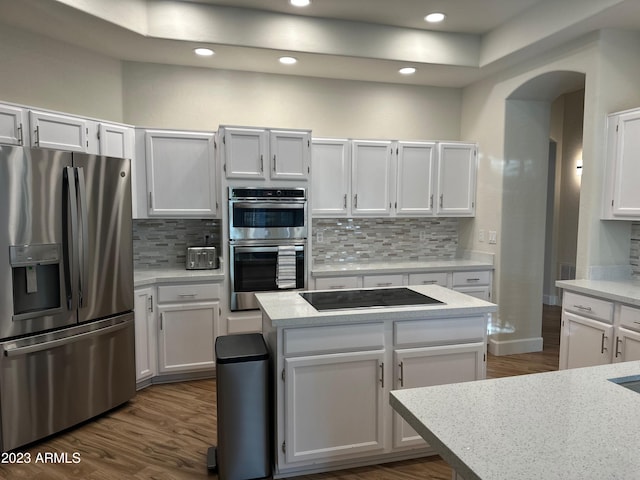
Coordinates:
(319, 236)
(493, 237)
(481, 235)
(423, 235)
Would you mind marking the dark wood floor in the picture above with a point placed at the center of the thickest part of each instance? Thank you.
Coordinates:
(165, 431)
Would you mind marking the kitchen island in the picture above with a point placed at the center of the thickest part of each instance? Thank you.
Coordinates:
(570, 424)
(333, 371)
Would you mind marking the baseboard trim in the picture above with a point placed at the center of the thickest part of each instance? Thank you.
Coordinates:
(512, 347)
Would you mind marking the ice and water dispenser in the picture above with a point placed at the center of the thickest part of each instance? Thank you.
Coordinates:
(36, 276)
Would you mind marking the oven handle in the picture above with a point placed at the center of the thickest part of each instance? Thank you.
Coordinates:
(260, 249)
(276, 204)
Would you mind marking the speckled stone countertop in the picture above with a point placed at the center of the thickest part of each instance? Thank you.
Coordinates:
(145, 277)
(625, 291)
(290, 309)
(338, 269)
(570, 424)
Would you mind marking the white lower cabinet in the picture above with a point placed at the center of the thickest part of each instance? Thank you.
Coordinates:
(333, 383)
(145, 333)
(335, 406)
(597, 331)
(427, 366)
(186, 337)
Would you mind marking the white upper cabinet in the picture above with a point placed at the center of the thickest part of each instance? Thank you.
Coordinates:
(331, 165)
(371, 178)
(245, 152)
(13, 121)
(180, 173)
(261, 154)
(60, 132)
(457, 166)
(414, 187)
(622, 195)
(116, 140)
(290, 153)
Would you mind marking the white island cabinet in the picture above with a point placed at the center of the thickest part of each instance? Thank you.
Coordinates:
(333, 371)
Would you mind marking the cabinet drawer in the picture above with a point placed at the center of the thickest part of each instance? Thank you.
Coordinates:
(440, 331)
(428, 279)
(630, 317)
(382, 280)
(189, 292)
(588, 306)
(464, 279)
(332, 283)
(368, 336)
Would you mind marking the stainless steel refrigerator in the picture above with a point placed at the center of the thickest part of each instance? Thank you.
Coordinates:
(66, 290)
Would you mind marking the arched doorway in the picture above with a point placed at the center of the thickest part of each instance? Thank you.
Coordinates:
(524, 217)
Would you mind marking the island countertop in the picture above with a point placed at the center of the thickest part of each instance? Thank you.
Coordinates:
(288, 308)
(569, 424)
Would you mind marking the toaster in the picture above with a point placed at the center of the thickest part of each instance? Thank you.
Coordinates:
(202, 258)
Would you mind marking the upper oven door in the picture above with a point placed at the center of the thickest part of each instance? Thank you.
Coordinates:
(267, 220)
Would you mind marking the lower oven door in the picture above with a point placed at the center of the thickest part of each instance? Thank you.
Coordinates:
(264, 268)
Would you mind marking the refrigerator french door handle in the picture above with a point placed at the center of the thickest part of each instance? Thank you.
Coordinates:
(84, 251)
(70, 209)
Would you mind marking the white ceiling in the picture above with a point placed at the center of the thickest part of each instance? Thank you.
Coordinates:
(344, 39)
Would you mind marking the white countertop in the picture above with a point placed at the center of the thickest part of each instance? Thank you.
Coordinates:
(290, 309)
(326, 270)
(625, 291)
(570, 424)
(145, 277)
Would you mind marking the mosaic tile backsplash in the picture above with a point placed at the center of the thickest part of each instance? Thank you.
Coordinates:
(162, 243)
(383, 239)
(634, 257)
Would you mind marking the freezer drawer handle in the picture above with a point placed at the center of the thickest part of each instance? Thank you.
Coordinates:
(11, 350)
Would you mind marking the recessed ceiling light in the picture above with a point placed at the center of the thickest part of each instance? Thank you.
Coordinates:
(300, 3)
(288, 60)
(407, 71)
(203, 52)
(435, 17)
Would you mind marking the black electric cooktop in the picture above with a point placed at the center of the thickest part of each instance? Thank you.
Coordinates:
(380, 297)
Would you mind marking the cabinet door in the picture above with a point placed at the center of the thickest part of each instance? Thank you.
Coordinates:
(584, 342)
(415, 179)
(371, 178)
(423, 367)
(180, 174)
(187, 336)
(245, 152)
(115, 140)
(12, 123)
(627, 347)
(331, 165)
(146, 340)
(456, 179)
(290, 152)
(626, 194)
(58, 132)
(334, 406)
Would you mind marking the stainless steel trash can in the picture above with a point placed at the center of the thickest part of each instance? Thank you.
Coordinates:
(243, 403)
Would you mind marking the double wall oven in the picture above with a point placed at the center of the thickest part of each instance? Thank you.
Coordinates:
(267, 241)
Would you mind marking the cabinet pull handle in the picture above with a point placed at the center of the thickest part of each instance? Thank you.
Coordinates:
(274, 163)
(187, 295)
(161, 320)
(473, 279)
(20, 137)
(618, 342)
(441, 199)
(429, 282)
(345, 200)
(37, 132)
(602, 348)
(383, 284)
(150, 306)
(262, 163)
(401, 365)
(582, 307)
(335, 287)
(355, 200)
(431, 201)
(382, 375)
